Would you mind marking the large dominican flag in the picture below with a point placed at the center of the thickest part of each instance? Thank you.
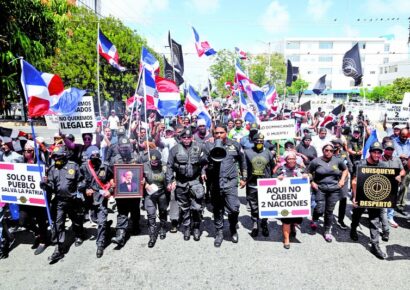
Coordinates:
(41, 90)
(195, 106)
(108, 51)
(202, 47)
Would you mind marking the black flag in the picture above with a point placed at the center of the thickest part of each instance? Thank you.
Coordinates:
(295, 73)
(289, 74)
(169, 74)
(177, 58)
(320, 85)
(352, 65)
(338, 110)
(305, 106)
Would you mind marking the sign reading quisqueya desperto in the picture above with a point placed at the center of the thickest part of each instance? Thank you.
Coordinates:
(82, 121)
(20, 183)
(285, 198)
(376, 187)
(276, 130)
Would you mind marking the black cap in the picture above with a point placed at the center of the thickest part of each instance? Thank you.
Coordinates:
(186, 133)
(254, 127)
(155, 155)
(376, 146)
(258, 137)
(59, 151)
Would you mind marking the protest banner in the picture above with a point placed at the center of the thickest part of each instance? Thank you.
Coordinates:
(276, 130)
(82, 121)
(397, 113)
(376, 187)
(285, 198)
(20, 183)
(52, 122)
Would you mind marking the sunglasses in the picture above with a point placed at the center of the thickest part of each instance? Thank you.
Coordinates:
(328, 150)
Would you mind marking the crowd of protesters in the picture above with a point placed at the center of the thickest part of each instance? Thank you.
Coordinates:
(182, 173)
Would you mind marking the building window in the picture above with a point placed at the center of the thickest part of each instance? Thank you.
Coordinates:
(392, 68)
(372, 72)
(325, 70)
(325, 58)
(325, 45)
(294, 58)
(386, 47)
(309, 72)
(385, 60)
(381, 70)
(293, 45)
(362, 45)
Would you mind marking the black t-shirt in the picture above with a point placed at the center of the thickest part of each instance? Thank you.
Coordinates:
(326, 174)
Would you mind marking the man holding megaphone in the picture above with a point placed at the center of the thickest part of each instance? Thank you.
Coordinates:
(224, 156)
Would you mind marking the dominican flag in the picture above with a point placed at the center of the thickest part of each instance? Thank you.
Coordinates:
(228, 86)
(169, 99)
(150, 90)
(270, 96)
(202, 47)
(240, 75)
(40, 89)
(241, 54)
(149, 61)
(247, 115)
(195, 106)
(369, 142)
(257, 96)
(108, 51)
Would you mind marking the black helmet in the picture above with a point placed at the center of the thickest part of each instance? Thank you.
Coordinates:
(59, 152)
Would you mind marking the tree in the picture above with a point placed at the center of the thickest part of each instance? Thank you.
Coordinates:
(400, 86)
(223, 69)
(75, 58)
(30, 30)
(298, 87)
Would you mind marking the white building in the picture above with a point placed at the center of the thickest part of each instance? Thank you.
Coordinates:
(318, 56)
(390, 71)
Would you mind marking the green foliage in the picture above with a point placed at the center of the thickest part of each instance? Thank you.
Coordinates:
(400, 86)
(392, 93)
(28, 29)
(298, 87)
(223, 70)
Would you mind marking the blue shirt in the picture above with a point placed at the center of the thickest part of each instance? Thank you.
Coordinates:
(401, 147)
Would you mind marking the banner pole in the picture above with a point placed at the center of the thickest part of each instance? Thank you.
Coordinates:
(98, 72)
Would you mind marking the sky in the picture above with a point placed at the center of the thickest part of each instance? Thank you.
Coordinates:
(252, 24)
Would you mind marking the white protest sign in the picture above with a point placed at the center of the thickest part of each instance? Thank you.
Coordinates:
(397, 113)
(20, 183)
(52, 122)
(285, 198)
(82, 121)
(276, 130)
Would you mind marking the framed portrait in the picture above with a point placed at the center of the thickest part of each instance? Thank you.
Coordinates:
(127, 179)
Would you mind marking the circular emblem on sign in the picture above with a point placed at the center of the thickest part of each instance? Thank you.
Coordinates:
(71, 171)
(377, 187)
(284, 212)
(23, 199)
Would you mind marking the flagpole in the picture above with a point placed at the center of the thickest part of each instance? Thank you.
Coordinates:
(172, 55)
(98, 72)
(132, 108)
(145, 109)
(37, 153)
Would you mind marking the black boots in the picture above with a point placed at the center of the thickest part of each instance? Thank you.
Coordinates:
(219, 237)
(375, 250)
(255, 230)
(234, 234)
(264, 226)
(57, 255)
(196, 232)
(100, 252)
(162, 232)
(353, 234)
(152, 240)
(187, 234)
(119, 239)
(174, 226)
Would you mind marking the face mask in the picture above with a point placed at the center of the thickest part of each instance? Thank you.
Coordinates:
(259, 146)
(96, 161)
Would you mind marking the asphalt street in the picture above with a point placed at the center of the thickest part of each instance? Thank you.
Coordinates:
(253, 263)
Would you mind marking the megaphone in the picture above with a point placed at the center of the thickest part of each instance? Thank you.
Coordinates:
(218, 153)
